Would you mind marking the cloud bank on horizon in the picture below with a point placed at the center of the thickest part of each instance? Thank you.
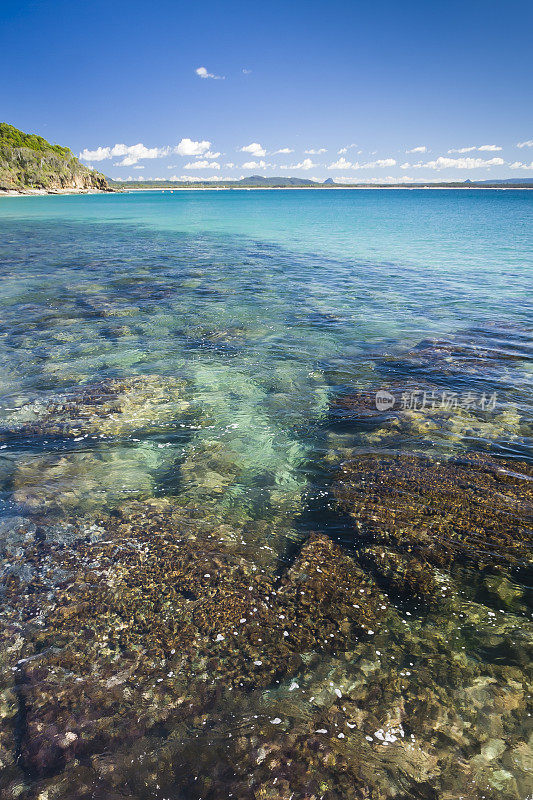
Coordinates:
(206, 160)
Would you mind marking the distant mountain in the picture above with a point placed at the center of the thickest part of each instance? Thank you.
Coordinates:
(260, 180)
(252, 182)
(503, 181)
(28, 161)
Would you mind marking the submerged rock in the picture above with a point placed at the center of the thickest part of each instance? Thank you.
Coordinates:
(160, 659)
(86, 480)
(153, 621)
(475, 508)
(443, 394)
(420, 513)
(401, 574)
(384, 723)
(472, 352)
(113, 407)
(425, 417)
(11, 643)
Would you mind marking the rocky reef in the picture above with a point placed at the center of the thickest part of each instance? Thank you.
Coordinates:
(474, 507)
(112, 407)
(463, 392)
(146, 655)
(202, 646)
(145, 619)
(101, 432)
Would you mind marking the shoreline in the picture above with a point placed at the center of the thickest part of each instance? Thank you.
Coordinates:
(319, 188)
(125, 190)
(51, 192)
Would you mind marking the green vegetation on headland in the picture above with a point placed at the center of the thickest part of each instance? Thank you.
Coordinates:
(28, 161)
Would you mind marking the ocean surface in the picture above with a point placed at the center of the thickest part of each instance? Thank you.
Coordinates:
(265, 495)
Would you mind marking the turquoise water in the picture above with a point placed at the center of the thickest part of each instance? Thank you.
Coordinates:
(255, 298)
(199, 347)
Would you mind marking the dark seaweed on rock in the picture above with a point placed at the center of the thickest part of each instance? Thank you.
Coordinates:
(474, 508)
(151, 624)
(468, 354)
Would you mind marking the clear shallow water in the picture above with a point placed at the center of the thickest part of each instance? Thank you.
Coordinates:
(220, 351)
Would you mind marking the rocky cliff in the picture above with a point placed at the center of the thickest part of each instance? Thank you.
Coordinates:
(28, 161)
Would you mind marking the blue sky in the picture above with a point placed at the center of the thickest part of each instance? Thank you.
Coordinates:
(225, 89)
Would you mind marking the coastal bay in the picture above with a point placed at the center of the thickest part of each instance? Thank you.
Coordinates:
(228, 566)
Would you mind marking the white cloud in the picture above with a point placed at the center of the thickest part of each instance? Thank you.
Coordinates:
(305, 164)
(461, 149)
(203, 165)
(255, 165)
(131, 153)
(230, 165)
(100, 154)
(246, 71)
(528, 143)
(284, 151)
(381, 162)
(373, 180)
(483, 147)
(342, 163)
(138, 151)
(345, 149)
(255, 149)
(460, 163)
(188, 147)
(203, 73)
(209, 154)
(387, 179)
(192, 178)
(195, 178)
(521, 165)
(420, 149)
(315, 152)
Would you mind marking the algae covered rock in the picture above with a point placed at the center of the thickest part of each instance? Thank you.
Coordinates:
(151, 623)
(406, 416)
(113, 407)
(418, 521)
(446, 393)
(474, 508)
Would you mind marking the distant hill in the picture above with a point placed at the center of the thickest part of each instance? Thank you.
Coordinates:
(262, 182)
(28, 161)
(254, 181)
(505, 182)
